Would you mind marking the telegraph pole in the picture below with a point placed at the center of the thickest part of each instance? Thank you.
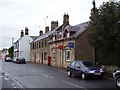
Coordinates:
(94, 49)
(46, 20)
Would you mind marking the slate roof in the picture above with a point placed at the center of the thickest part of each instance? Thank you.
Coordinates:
(80, 28)
(33, 37)
(45, 35)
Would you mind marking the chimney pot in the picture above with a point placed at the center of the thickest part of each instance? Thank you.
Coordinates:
(66, 19)
(54, 24)
(22, 33)
(46, 29)
(26, 31)
(40, 32)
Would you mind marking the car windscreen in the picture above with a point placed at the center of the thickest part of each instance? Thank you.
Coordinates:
(88, 64)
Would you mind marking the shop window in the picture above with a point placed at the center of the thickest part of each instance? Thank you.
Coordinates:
(67, 55)
(53, 54)
(45, 55)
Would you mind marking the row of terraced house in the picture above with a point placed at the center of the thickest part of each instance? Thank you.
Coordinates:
(61, 44)
(58, 45)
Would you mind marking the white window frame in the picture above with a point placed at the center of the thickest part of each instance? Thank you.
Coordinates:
(67, 57)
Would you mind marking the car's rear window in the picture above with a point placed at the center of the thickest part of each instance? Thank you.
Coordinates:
(21, 57)
(7, 57)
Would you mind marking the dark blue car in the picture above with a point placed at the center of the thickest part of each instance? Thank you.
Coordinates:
(84, 69)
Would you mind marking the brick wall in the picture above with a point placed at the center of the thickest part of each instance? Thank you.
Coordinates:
(83, 50)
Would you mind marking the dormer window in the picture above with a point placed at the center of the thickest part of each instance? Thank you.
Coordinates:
(66, 34)
(60, 34)
(72, 32)
(54, 38)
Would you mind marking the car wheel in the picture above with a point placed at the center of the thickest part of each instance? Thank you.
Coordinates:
(83, 76)
(69, 73)
(118, 82)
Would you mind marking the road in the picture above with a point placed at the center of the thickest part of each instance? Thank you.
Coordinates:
(5, 81)
(32, 75)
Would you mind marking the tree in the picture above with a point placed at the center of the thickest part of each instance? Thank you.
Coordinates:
(10, 51)
(105, 32)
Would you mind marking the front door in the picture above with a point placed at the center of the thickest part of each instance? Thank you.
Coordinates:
(42, 57)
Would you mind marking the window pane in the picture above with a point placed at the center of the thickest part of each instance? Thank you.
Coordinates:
(68, 55)
(53, 54)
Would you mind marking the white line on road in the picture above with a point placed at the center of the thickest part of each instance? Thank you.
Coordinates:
(74, 85)
(14, 79)
(6, 78)
(47, 76)
(14, 85)
(17, 82)
(51, 77)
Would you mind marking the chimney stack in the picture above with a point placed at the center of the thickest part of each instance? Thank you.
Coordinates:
(54, 24)
(22, 33)
(46, 29)
(26, 31)
(40, 32)
(66, 19)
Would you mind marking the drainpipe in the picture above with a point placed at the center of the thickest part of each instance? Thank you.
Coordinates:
(61, 58)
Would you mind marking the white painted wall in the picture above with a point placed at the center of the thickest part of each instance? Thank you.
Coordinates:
(24, 47)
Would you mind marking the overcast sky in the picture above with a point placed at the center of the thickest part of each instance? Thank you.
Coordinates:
(15, 15)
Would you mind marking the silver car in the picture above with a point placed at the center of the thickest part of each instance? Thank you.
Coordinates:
(116, 76)
(8, 59)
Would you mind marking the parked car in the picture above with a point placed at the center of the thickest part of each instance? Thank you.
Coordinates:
(20, 60)
(14, 60)
(84, 69)
(8, 59)
(116, 76)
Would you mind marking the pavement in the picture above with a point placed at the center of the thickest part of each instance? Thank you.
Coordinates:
(108, 75)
